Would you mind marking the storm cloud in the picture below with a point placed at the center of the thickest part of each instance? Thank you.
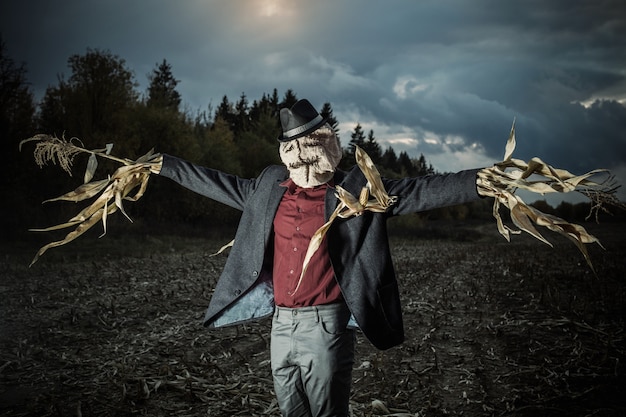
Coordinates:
(444, 78)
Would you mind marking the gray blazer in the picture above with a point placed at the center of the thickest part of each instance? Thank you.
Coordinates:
(358, 246)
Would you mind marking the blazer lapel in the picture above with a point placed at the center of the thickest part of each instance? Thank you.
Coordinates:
(275, 195)
(331, 200)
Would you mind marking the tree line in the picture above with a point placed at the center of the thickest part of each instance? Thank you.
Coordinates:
(99, 103)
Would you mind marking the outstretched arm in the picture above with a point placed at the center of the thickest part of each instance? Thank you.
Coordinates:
(225, 188)
(432, 191)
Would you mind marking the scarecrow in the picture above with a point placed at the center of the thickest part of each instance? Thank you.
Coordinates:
(311, 249)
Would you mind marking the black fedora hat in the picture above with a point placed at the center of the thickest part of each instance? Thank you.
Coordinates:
(300, 120)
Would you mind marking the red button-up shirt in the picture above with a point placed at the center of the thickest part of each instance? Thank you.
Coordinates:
(299, 215)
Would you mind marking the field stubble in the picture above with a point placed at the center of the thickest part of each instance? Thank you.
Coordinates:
(113, 327)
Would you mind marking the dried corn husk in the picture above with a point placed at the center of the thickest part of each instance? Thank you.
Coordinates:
(128, 182)
(502, 180)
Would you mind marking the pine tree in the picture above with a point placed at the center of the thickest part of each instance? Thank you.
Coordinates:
(422, 167)
(162, 90)
(372, 148)
(406, 165)
(226, 112)
(289, 100)
(357, 138)
(274, 102)
(242, 119)
(389, 159)
(327, 113)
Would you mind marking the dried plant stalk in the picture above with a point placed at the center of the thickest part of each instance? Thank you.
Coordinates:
(503, 179)
(128, 182)
(52, 149)
(600, 199)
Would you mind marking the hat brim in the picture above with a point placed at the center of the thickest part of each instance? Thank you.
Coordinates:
(302, 130)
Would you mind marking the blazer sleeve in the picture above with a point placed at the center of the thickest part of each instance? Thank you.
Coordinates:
(432, 191)
(214, 184)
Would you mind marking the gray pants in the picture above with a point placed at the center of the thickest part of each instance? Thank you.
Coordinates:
(312, 354)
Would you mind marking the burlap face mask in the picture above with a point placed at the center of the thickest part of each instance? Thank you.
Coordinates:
(312, 159)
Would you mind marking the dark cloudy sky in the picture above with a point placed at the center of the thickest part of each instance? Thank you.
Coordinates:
(445, 78)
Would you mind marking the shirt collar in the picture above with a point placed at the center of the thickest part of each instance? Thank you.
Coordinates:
(292, 187)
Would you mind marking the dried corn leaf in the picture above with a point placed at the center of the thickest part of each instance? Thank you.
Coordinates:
(131, 177)
(510, 144)
(350, 205)
(83, 192)
(82, 228)
(374, 181)
(503, 179)
(92, 165)
(56, 227)
(223, 248)
(147, 158)
(522, 219)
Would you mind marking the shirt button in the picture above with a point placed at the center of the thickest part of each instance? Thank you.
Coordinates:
(298, 228)
(295, 249)
(291, 271)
